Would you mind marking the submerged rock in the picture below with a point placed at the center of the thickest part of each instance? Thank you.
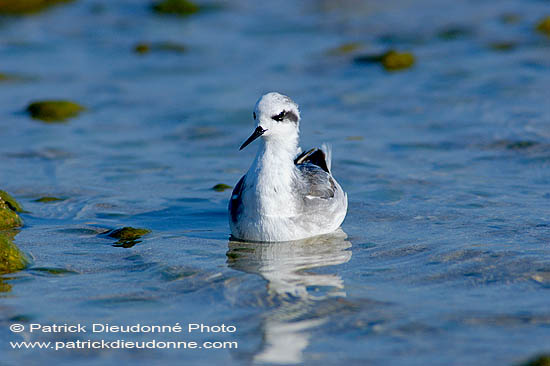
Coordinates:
(144, 47)
(169, 47)
(345, 49)
(128, 233)
(391, 60)
(53, 270)
(454, 32)
(23, 7)
(48, 199)
(544, 25)
(510, 18)
(221, 187)
(8, 217)
(4, 287)
(127, 236)
(54, 110)
(6, 77)
(503, 46)
(542, 360)
(514, 144)
(11, 257)
(10, 201)
(176, 7)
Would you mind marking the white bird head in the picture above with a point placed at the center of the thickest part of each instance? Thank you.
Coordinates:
(276, 116)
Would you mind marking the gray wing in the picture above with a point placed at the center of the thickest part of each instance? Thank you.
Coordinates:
(314, 182)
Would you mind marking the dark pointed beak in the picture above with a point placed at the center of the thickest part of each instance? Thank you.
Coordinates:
(257, 133)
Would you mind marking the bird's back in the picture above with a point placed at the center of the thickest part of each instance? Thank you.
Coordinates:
(324, 201)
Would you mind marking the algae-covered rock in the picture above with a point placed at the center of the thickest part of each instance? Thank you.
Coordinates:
(542, 360)
(391, 60)
(128, 233)
(176, 7)
(221, 187)
(11, 258)
(22, 7)
(48, 199)
(10, 201)
(8, 217)
(54, 110)
(544, 25)
(127, 236)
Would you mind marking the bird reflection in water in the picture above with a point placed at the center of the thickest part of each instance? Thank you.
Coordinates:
(294, 289)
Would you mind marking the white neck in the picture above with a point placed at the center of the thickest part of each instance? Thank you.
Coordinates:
(272, 172)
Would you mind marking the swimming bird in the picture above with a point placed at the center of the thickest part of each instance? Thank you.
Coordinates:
(285, 195)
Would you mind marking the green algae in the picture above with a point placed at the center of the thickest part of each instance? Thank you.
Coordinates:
(142, 48)
(128, 233)
(127, 236)
(4, 287)
(169, 47)
(25, 7)
(345, 48)
(8, 217)
(11, 202)
(503, 46)
(542, 360)
(145, 47)
(510, 18)
(514, 145)
(56, 271)
(49, 199)
(54, 110)
(12, 259)
(221, 187)
(543, 26)
(391, 60)
(6, 77)
(175, 7)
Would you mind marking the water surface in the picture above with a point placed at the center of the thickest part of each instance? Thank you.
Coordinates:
(447, 167)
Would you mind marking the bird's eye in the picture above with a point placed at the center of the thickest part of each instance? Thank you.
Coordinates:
(254, 115)
(279, 117)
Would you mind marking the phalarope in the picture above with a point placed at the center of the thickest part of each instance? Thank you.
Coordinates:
(285, 195)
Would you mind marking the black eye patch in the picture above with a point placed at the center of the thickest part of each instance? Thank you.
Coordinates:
(254, 115)
(291, 116)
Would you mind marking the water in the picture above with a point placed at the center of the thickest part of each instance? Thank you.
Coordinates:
(447, 168)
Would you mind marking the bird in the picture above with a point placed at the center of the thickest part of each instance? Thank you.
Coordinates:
(286, 194)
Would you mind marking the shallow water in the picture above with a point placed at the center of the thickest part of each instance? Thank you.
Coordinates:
(446, 165)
